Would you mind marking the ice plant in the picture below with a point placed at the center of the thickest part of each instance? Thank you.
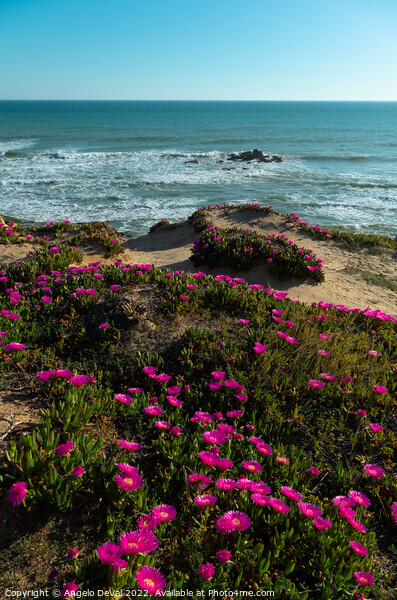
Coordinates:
(129, 445)
(109, 552)
(78, 471)
(310, 510)
(223, 555)
(17, 493)
(374, 471)
(316, 384)
(69, 589)
(233, 520)
(150, 580)
(360, 498)
(205, 500)
(64, 449)
(359, 548)
(129, 480)
(206, 571)
(380, 389)
(140, 541)
(321, 524)
(364, 578)
(164, 512)
(278, 505)
(290, 493)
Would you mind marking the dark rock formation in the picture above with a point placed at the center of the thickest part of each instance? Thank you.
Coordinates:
(255, 155)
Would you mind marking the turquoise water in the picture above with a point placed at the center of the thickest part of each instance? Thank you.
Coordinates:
(125, 162)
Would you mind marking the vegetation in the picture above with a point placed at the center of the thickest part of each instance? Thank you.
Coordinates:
(197, 433)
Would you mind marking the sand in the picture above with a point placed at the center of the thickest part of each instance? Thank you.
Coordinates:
(170, 247)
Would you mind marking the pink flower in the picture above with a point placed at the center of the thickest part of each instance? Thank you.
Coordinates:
(223, 555)
(78, 380)
(309, 510)
(155, 411)
(264, 449)
(251, 465)
(356, 525)
(119, 563)
(362, 412)
(46, 299)
(149, 370)
(129, 445)
(69, 589)
(73, 553)
(260, 499)
(233, 521)
(321, 524)
(140, 541)
(380, 389)
(206, 571)
(103, 326)
(78, 471)
(123, 398)
(164, 513)
(375, 427)
(17, 493)
(278, 505)
(290, 493)
(314, 471)
(129, 480)
(163, 424)
(359, 548)
(209, 458)
(199, 478)
(148, 522)
(108, 552)
(360, 498)
(150, 580)
(393, 508)
(214, 437)
(226, 484)
(373, 471)
(218, 375)
(64, 449)
(259, 348)
(282, 459)
(316, 384)
(244, 321)
(205, 500)
(364, 578)
(224, 464)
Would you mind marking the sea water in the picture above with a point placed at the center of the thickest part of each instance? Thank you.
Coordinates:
(128, 163)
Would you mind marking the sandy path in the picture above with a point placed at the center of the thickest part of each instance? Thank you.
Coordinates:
(170, 247)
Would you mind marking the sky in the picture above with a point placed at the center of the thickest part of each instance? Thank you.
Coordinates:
(198, 50)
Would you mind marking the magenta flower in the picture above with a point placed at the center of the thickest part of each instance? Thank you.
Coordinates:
(316, 384)
(174, 401)
(64, 449)
(69, 589)
(360, 498)
(374, 471)
(278, 505)
(290, 493)
(322, 524)
(164, 513)
(233, 521)
(252, 466)
(119, 563)
(234, 414)
(64, 373)
(206, 571)
(129, 480)
(73, 553)
(78, 471)
(364, 578)
(215, 385)
(150, 580)
(78, 380)
(310, 510)
(343, 501)
(375, 427)
(380, 389)
(107, 553)
(205, 500)
(356, 525)
(218, 375)
(224, 464)
(14, 346)
(283, 460)
(163, 424)
(359, 548)
(393, 508)
(141, 541)
(223, 555)
(226, 484)
(209, 458)
(148, 522)
(129, 445)
(259, 348)
(314, 471)
(174, 390)
(260, 499)
(155, 411)
(149, 370)
(123, 398)
(199, 478)
(215, 437)
(103, 326)
(264, 449)
(17, 493)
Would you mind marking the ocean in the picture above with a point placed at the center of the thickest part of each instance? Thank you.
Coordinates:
(127, 163)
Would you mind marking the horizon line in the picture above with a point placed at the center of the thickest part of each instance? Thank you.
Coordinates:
(172, 100)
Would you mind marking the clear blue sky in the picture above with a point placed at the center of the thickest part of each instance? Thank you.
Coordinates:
(203, 49)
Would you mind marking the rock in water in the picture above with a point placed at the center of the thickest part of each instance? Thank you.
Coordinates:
(255, 155)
